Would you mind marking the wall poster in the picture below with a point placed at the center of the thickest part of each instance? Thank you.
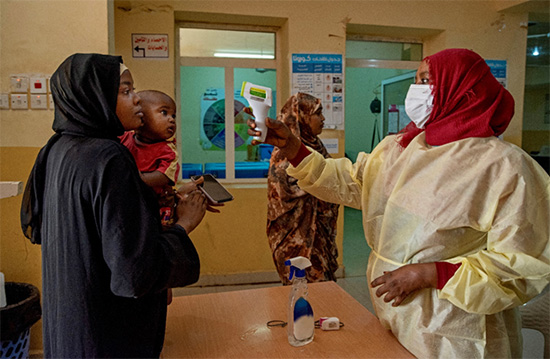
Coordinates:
(498, 69)
(321, 75)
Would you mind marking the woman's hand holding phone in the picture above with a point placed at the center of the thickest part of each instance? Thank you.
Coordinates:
(190, 209)
(192, 205)
(188, 188)
(197, 182)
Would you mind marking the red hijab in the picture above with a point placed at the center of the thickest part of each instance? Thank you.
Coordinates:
(468, 100)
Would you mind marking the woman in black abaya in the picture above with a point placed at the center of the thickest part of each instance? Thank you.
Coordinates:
(106, 265)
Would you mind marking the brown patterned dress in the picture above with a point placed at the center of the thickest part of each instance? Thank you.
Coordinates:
(298, 224)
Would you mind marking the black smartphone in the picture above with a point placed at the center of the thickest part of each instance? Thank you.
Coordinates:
(213, 189)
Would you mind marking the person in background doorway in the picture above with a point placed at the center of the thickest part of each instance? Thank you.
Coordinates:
(457, 219)
(299, 224)
(106, 263)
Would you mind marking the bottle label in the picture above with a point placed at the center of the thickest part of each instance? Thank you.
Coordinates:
(304, 324)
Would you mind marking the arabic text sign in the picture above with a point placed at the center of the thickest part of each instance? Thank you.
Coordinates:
(150, 45)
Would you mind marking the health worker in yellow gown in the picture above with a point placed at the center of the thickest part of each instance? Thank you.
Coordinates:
(457, 219)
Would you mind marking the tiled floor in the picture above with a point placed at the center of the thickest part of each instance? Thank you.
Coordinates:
(356, 250)
(357, 287)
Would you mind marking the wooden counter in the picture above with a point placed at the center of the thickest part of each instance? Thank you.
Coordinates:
(233, 325)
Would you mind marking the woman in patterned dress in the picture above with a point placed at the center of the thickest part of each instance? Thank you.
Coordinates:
(299, 224)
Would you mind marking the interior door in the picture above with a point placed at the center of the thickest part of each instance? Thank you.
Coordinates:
(394, 91)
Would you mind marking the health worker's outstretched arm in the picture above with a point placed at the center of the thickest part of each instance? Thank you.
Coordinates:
(331, 180)
(278, 134)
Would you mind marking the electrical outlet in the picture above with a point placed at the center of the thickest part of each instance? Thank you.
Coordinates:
(39, 102)
(4, 101)
(38, 85)
(19, 84)
(19, 101)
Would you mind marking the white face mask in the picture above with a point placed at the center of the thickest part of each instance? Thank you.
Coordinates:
(419, 104)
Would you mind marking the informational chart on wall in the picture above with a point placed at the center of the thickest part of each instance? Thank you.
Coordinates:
(498, 69)
(321, 75)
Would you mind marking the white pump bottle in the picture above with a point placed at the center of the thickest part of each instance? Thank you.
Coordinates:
(301, 324)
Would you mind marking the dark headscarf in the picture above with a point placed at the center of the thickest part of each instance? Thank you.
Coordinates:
(468, 100)
(85, 89)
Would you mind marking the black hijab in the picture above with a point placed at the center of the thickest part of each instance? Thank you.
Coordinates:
(85, 89)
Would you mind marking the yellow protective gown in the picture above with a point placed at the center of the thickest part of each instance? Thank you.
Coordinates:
(478, 201)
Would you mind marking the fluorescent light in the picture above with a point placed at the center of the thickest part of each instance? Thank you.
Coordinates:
(243, 55)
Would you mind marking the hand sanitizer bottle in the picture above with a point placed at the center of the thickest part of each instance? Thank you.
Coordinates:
(301, 324)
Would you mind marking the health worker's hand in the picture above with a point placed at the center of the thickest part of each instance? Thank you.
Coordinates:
(400, 283)
(278, 134)
(190, 209)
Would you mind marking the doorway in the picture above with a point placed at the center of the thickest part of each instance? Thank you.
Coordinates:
(374, 71)
(536, 105)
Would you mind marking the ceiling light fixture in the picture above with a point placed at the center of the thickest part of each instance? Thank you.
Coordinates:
(243, 55)
(536, 51)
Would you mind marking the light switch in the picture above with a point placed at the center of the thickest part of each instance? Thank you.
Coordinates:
(4, 101)
(19, 101)
(50, 101)
(38, 85)
(39, 102)
(19, 84)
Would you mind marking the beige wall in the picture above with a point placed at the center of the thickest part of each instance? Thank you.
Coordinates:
(37, 35)
(159, 73)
